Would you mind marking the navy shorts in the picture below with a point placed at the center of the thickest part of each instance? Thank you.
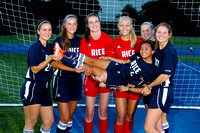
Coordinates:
(161, 98)
(67, 89)
(33, 92)
(114, 77)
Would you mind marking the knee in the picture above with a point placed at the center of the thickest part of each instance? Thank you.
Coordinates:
(48, 123)
(129, 116)
(102, 113)
(89, 114)
(120, 119)
(30, 124)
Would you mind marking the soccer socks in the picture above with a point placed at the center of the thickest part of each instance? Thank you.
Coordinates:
(71, 63)
(69, 126)
(118, 128)
(28, 131)
(165, 127)
(78, 56)
(103, 126)
(88, 127)
(61, 127)
(128, 125)
(44, 130)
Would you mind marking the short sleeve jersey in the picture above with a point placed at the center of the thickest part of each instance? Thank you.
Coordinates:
(37, 53)
(75, 43)
(165, 63)
(97, 48)
(137, 68)
(123, 48)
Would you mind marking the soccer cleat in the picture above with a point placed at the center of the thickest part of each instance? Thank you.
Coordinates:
(58, 49)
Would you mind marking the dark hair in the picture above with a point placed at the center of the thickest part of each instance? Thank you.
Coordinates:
(39, 24)
(87, 31)
(152, 43)
(63, 34)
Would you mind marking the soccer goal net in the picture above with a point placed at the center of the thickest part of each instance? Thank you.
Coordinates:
(18, 26)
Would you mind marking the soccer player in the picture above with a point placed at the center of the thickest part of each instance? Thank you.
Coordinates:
(95, 44)
(35, 92)
(125, 45)
(161, 88)
(67, 81)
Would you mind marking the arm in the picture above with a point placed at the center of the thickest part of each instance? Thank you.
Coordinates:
(116, 60)
(131, 89)
(58, 65)
(160, 79)
(42, 65)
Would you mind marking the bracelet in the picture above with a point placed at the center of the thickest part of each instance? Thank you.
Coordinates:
(129, 88)
(149, 87)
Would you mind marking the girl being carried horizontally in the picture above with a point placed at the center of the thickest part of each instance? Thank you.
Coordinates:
(115, 74)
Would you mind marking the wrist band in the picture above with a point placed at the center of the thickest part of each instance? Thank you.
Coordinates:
(149, 87)
(129, 88)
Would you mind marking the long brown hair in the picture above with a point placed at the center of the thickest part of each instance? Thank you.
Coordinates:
(169, 31)
(133, 37)
(63, 34)
(87, 31)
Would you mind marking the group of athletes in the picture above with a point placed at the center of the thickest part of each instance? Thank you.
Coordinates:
(130, 66)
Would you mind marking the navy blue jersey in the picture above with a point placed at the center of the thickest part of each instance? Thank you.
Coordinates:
(37, 53)
(137, 68)
(165, 63)
(75, 43)
(122, 74)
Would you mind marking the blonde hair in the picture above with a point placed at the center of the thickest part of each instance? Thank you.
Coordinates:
(133, 37)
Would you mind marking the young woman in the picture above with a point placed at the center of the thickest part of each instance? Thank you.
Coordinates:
(125, 45)
(67, 82)
(95, 44)
(35, 92)
(147, 31)
(161, 96)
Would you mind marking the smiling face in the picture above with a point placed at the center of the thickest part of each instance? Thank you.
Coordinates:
(125, 27)
(71, 25)
(146, 52)
(45, 32)
(93, 24)
(146, 32)
(163, 35)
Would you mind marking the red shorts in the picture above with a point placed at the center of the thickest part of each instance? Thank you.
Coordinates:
(91, 87)
(128, 95)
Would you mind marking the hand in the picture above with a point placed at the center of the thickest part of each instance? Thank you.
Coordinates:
(122, 88)
(79, 70)
(87, 71)
(56, 58)
(146, 91)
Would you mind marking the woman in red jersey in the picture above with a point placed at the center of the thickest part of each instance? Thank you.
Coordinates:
(95, 44)
(125, 46)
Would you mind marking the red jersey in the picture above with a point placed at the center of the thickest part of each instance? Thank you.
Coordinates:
(123, 48)
(97, 48)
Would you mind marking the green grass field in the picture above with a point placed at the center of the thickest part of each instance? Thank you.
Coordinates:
(12, 120)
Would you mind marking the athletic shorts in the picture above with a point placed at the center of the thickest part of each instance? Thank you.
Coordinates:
(113, 75)
(33, 92)
(67, 89)
(91, 87)
(161, 98)
(128, 95)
